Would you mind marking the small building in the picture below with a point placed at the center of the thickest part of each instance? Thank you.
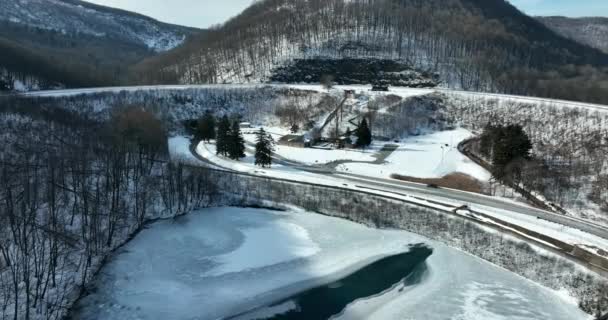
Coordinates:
(245, 125)
(345, 142)
(294, 140)
(349, 94)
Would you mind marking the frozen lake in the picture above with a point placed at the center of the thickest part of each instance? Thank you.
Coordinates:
(258, 264)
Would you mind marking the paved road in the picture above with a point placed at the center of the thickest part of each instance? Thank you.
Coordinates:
(71, 92)
(472, 199)
(557, 102)
(449, 195)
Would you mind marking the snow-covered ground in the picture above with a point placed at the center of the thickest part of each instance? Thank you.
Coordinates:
(246, 165)
(218, 262)
(310, 156)
(399, 91)
(566, 234)
(179, 150)
(313, 156)
(433, 155)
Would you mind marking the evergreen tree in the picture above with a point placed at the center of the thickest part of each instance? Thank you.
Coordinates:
(264, 148)
(509, 143)
(520, 142)
(487, 140)
(327, 81)
(223, 134)
(364, 135)
(206, 127)
(236, 143)
(295, 128)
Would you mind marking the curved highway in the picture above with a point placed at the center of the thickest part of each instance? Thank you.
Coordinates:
(457, 196)
(451, 196)
(472, 199)
(72, 92)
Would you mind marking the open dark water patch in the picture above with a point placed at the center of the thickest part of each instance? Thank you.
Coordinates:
(331, 299)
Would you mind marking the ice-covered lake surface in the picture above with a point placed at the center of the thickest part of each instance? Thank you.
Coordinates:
(219, 262)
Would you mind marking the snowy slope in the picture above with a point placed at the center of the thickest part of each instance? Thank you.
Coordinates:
(79, 17)
(591, 31)
(432, 155)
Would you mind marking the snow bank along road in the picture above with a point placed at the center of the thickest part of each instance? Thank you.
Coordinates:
(73, 92)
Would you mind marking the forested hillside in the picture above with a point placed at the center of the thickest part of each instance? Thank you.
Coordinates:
(58, 43)
(73, 190)
(472, 44)
(32, 58)
(591, 31)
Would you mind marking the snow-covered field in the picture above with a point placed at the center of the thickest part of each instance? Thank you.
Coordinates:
(217, 262)
(433, 155)
(313, 156)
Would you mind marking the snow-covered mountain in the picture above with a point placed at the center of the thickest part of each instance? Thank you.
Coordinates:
(591, 31)
(477, 45)
(78, 17)
(47, 44)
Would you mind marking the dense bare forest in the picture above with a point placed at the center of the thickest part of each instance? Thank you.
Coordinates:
(477, 45)
(569, 156)
(72, 189)
(42, 59)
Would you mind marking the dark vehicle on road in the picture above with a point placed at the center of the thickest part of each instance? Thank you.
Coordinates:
(380, 87)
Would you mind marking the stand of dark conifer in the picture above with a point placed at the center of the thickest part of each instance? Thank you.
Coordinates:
(364, 134)
(505, 146)
(236, 143)
(264, 148)
(206, 127)
(223, 131)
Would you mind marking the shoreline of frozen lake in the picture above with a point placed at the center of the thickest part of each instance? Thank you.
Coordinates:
(223, 261)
